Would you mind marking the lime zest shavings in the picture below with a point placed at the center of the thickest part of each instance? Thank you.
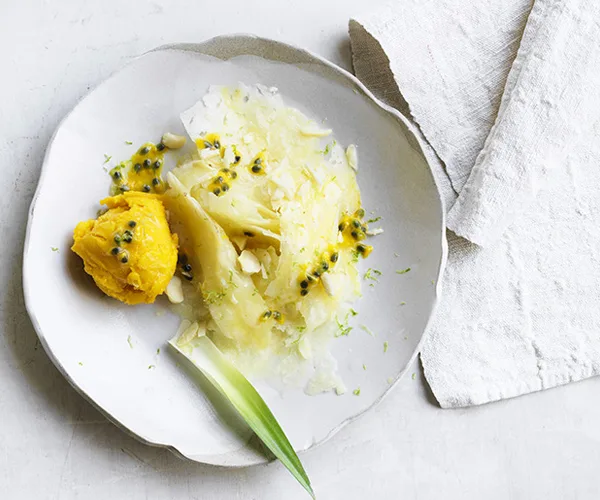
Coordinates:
(343, 328)
(372, 274)
(367, 329)
(232, 384)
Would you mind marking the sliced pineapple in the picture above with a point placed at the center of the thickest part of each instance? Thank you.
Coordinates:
(261, 206)
(229, 293)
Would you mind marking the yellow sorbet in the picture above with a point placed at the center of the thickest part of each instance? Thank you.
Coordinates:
(129, 250)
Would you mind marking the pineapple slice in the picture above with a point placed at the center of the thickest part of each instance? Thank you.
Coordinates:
(230, 294)
(272, 182)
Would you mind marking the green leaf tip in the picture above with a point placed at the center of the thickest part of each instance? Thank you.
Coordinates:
(232, 384)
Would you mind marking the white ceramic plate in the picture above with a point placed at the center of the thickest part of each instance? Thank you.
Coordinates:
(108, 351)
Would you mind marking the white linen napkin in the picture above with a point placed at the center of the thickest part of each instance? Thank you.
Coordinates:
(521, 314)
(550, 99)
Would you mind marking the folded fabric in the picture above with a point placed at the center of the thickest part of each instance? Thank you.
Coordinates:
(446, 61)
(521, 314)
(551, 98)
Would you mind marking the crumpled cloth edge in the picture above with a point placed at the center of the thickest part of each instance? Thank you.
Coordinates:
(379, 79)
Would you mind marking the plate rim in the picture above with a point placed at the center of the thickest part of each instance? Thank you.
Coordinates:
(227, 459)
